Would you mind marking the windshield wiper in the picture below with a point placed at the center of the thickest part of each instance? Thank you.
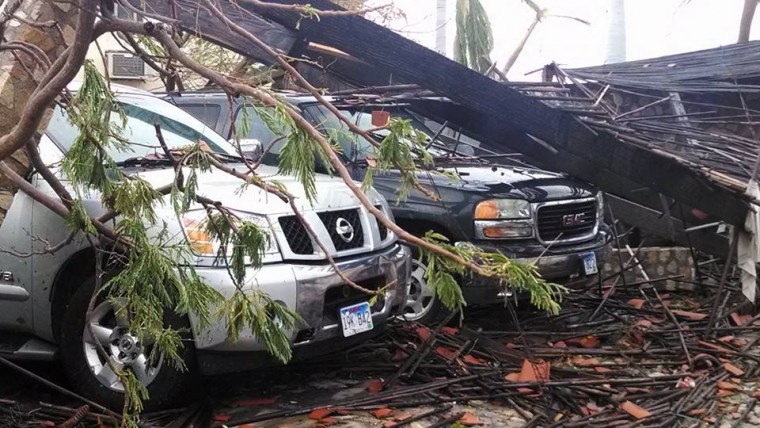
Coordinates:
(154, 160)
(157, 159)
(229, 157)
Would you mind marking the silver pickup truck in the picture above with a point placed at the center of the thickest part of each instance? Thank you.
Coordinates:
(44, 297)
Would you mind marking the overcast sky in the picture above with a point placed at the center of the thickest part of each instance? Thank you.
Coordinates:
(654, 28)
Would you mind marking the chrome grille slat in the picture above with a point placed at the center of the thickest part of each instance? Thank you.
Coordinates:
(551, 226)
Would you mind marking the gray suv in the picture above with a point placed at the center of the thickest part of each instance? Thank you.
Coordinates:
(44, 297)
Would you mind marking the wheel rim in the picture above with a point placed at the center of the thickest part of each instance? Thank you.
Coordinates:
(124, 350)
(420, 296)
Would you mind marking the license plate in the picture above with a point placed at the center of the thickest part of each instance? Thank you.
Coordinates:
(356, 319)
(589, 263)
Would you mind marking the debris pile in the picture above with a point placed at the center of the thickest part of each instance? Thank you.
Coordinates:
(617, 354)
(630, 356)
(16, 414)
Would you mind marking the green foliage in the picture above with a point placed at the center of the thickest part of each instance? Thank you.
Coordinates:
(79, 220)
(474, 38)
(156, 274)
(543, 295)
(300, 154)
(441, 271)
(399, 150)
(270, 322)
(92, 110)
(509, 274)
(243, 240)
(135, 394)
(135, 198)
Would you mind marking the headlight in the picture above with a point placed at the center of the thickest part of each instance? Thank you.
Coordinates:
(194, 223)
(502, 209)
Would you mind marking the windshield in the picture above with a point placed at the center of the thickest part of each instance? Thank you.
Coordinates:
(354, 147)
(178, 128)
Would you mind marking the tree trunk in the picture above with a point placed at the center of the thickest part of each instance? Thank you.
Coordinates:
(746, 23)
(20, 71)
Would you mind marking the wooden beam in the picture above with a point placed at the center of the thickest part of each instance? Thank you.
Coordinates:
(597, 158)
(393, 53)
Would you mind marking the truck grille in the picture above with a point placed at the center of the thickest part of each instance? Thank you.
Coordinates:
(566, 221)
(346, 238)
(297, 236)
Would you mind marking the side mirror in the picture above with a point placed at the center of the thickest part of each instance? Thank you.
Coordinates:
(251, 147)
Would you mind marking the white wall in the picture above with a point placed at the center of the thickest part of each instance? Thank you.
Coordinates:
(108, 43)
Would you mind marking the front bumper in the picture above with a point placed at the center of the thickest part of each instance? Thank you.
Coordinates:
(554, 263)
(316, 293)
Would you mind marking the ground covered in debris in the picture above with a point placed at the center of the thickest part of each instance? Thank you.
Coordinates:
(625, 355)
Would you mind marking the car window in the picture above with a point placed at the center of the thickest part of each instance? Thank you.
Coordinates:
(355, 147)
(206, 113)
(258, 129)
(179, 129)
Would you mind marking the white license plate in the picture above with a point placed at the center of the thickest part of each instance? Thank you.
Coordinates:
(589, 263)
(356, 319)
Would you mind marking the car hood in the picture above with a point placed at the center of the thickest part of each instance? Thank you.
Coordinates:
(516, 182)
(332, 192)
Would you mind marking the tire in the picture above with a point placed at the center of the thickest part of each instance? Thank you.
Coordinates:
(422, 305)
(81, 360)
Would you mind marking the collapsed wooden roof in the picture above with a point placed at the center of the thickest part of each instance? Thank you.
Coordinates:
(558, 136)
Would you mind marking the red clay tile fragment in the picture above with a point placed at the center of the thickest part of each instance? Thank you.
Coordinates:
(740, 320)
(424, 333)
(221, 418)
(445, 352)
(512, 377)
(255, 402)
(637, 303)
(634, 410)
(319, 414)
(536, 371)
(586, 362)
(451, 331)
(326, 422)
(729, 386)
(716, 347)
(374, 386)
(469, 419)
(382, 413)
(560, 345)
(473, 360)
(736, 371)
(692, 316)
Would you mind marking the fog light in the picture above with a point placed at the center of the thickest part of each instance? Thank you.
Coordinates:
(499, 232)
(504, 229)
